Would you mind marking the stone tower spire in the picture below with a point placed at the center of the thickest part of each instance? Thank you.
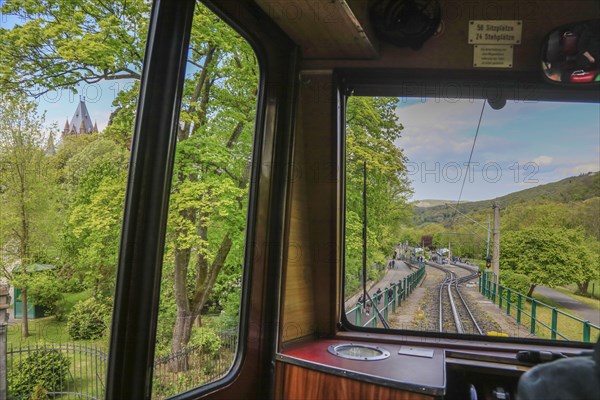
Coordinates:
(66, 129)
(81, 123)
(50, 149)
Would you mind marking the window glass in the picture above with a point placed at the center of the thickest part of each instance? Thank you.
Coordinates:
(68, 93)
(202, 269)
(496, 207)
(68, 90)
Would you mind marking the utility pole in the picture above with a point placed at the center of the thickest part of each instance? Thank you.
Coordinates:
(487, 250)
(496, 236)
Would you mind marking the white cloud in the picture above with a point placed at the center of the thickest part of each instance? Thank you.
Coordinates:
(580, 169)
(528, 144)
(543, 160)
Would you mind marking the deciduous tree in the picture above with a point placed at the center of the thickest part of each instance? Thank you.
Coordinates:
(27, 197)
(548, 256)
(372, 128)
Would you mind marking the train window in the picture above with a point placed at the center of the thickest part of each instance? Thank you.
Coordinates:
(479, 219)
(62, 192)
(199, 313)
(68, 90)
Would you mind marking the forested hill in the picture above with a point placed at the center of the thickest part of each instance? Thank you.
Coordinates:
(576, 188)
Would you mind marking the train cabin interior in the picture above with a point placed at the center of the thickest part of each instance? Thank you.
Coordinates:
(313, 56)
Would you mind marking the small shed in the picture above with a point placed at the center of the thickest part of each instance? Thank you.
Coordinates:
(33, 310)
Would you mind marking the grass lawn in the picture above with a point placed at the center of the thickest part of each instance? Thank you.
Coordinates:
(72, 298)
(583, 299)
(40, 330)
(86, 357)
(49, 330)
(566, 326)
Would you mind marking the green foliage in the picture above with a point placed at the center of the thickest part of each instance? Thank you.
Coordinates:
(45, 289)
(205, 340)
(89, 319)
(230, 313)
(59, 44)
(95, 177)
(39, 392)
(42, 370)
(548, 256)
(372, 127)
(569, 190)
(209, 196)
(120, 124)
(515, 281)
(27, 194)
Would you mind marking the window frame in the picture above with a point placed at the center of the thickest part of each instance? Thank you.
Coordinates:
(133, 332)
(516, 86)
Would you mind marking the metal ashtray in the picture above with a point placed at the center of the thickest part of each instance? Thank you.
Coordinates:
(353, 351)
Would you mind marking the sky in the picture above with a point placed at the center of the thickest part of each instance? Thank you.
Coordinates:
(520, 146)
(523, 145)
(61, 104)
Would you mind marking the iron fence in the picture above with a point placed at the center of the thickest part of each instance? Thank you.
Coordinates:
(195, 366)
(81, 371)
(83, 377)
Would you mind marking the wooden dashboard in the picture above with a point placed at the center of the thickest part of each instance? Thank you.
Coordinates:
(337, 377)
(308, 370)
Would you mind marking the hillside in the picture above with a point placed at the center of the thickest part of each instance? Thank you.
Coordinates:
(430, 203)
(575, 188)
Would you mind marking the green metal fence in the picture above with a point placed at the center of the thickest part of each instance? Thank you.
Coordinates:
(540, 318)
(390, 298)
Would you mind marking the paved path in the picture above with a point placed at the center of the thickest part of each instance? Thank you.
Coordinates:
(581, 309)
(391, 276)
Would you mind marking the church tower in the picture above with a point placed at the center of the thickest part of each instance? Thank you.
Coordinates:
(81, 123)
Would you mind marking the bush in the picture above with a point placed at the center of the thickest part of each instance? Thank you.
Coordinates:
(206, 340)
(42, 371)
(88, 320)
(515, 281)
(44, 289)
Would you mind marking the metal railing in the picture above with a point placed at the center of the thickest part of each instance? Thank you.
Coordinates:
(86, 373)
(201, 367)
(522, 307)
(390, 298)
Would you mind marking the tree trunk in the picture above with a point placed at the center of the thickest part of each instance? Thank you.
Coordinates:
(531, 289)
(24, 319)
(181, 336)
(24, 252)
(582, 288)
(188, 311)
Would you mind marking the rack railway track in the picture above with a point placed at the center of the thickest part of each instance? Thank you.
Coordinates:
(453, 308)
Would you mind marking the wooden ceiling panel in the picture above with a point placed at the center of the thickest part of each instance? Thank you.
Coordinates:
(325, 29)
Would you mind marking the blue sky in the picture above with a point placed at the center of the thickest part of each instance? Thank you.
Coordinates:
(520, 146)
(523, 145)
(60, 105)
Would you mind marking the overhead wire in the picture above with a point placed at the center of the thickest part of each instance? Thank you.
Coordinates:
(468, 163)
(471, 155)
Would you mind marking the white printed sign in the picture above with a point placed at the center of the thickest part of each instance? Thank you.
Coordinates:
(495, 32)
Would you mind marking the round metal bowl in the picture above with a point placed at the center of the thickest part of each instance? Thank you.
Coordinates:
(353, 351)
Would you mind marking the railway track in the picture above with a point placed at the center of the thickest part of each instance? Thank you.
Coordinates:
(453, 309)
